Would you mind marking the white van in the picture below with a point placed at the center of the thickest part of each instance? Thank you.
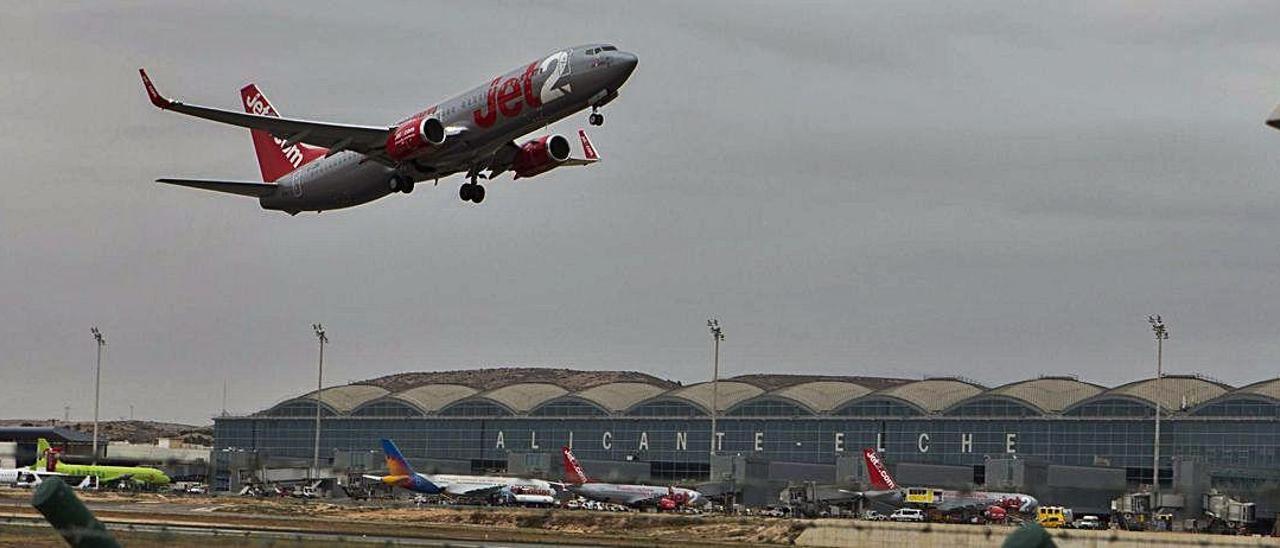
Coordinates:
(907, 514)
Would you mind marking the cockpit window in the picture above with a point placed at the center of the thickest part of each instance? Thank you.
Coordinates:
(608, 48)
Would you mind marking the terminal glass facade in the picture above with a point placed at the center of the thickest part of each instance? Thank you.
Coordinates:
(1252, 442)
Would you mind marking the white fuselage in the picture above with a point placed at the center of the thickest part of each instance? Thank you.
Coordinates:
(18, 476)
(459, 485)
(632, 495)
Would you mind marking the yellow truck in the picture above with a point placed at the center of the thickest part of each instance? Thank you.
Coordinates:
(924, 496)
(1053, 517)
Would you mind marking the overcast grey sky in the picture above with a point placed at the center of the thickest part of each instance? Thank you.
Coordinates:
(996, 190)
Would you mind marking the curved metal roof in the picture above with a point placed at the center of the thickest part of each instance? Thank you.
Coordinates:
(1176, 392)
(430, 398)
(822, 396)
(342, 399)
(619, 396)
(1267, 389)
(524, 396)
(931, 395)
(729, 392)
(1047, 394)
(777, 381)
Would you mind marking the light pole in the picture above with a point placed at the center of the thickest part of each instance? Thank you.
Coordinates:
(717, 335)
(1157, 326)
(315, 456)
(97, 384)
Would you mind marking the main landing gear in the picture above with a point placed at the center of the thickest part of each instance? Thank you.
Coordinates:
(596, 119)
(471, 192)
(401, 183)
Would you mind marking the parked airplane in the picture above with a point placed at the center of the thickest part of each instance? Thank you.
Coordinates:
(48, 460)
(887, 491)
(663, 498)
(23, 477)
(317, 166)
(519, 490)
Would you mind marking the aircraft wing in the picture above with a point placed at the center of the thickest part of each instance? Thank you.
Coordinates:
(643, 501)
(362, 139)
(116, 480)
(472, 490)
(505, 156)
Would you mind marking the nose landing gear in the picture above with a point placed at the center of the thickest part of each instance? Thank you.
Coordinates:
(596, 119)
(401, 183)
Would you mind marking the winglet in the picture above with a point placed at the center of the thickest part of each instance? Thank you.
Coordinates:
(156, 99)
(587, 149)
(1273, 119)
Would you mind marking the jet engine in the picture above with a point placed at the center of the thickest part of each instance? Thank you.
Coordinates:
(414, 135)
(540, 155)
(665, 503)
(996, 513)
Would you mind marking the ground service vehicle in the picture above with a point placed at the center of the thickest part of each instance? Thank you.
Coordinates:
(1053, 517)
(1088, 522)
(907, 514)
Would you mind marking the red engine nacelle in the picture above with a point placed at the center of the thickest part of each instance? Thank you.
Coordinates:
(540, 155)
(665, 503)
(996, 513)
(1011, 503)
(415, 135)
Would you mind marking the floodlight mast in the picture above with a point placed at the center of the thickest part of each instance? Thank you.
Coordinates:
(717, 335)
(315, 455)
(97, 388)
(1162, 334)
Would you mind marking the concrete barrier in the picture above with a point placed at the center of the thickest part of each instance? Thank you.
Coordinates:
(851, 534)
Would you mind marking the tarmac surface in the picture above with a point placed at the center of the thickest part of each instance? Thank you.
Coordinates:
(315, 522)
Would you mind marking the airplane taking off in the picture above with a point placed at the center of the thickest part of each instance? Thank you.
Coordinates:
(47, 459)
(637, 496)
(318, 166)
(520, 490)
(887, 491)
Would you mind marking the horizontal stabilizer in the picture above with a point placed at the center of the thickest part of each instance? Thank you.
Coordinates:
(243, 188)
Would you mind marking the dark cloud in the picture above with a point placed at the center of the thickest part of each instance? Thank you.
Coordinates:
(994, 190)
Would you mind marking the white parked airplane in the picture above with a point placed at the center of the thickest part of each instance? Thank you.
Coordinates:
(519, 490)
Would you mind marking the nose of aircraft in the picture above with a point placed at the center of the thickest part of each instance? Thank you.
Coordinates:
(626, 63)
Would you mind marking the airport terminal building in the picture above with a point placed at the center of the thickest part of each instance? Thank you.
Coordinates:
(784, 428)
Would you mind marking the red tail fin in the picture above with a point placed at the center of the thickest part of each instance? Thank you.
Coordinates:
(275, 159)
(880, 478)
(573, 472)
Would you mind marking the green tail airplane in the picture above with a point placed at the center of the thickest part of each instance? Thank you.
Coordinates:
(105, 474)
